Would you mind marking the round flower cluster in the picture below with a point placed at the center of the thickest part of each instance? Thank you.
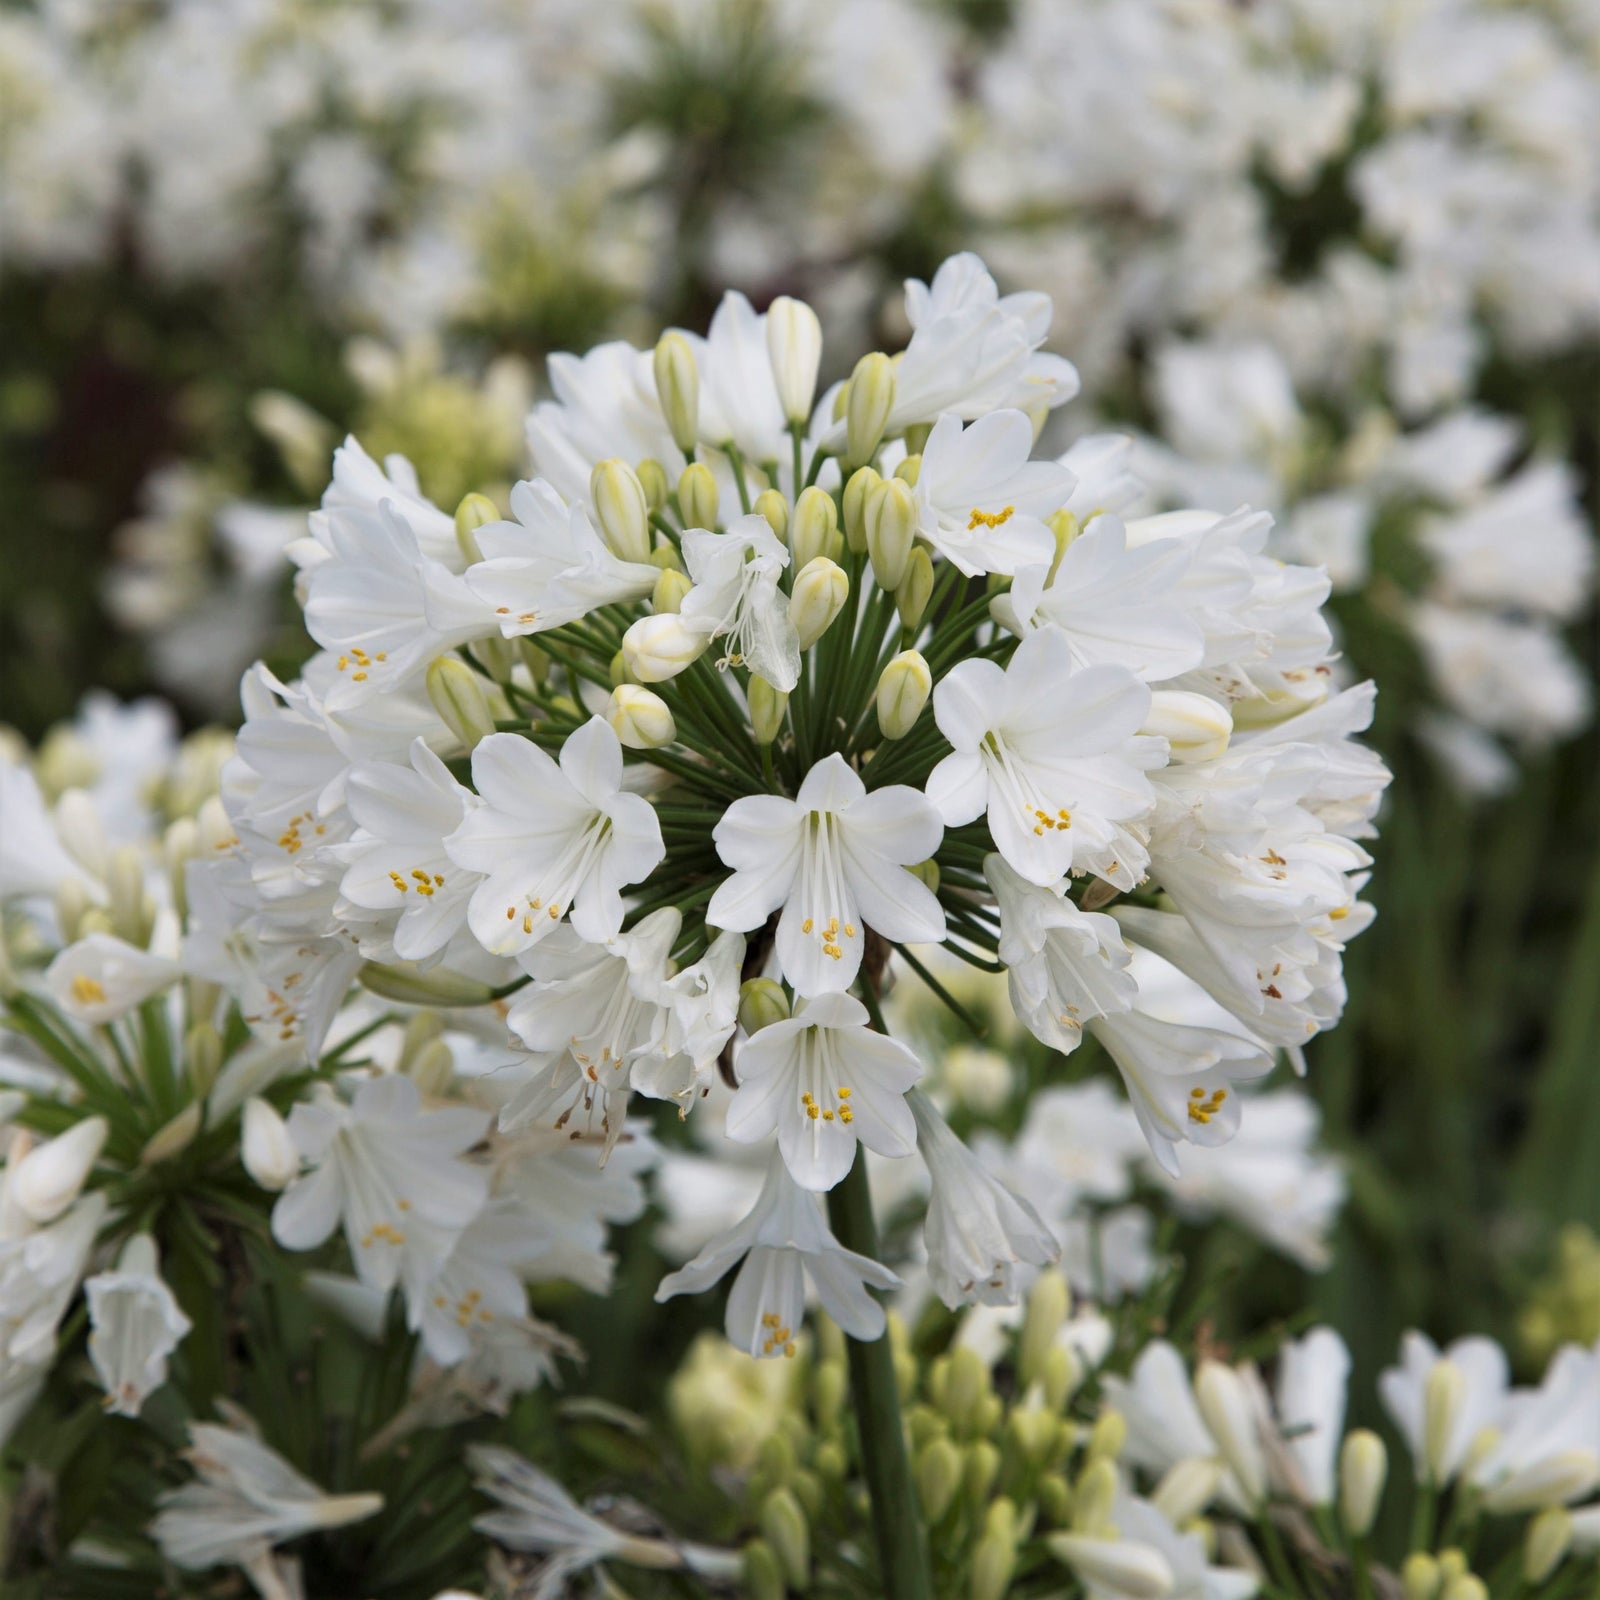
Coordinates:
(756, 693)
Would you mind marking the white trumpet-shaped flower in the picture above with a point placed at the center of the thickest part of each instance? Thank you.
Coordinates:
(135, 1325)
(552, 839)
(101, 977)
(736, 598)
(833, 860)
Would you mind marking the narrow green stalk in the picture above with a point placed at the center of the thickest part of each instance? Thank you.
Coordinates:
(902, 1545)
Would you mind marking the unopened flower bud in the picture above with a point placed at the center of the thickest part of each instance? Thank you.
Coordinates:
(857, 492)
(995, 1559)
(622, 509)
(1545, 1548)
(982, 1468)
(762, 1578)
(813, 525)
(820, 591)
(1049, 1301)
(617, 671)
(891, 527)
(1066, 529)
(1195, 726)
(678, 390)
(1556, 1479)
(1443, 1394)
(475, 511)
(1452, 1565)
(916, 587)
(495, 655)
(928, 872)
(72, 906)
(1187, 1488)
(831, 1385)
(654, 481)
(761, 1002)
(202, 1057)
(457, 694)
(938, 1477)
(180, 844)
(783, 1525)
(173, 1137)
(1061, 1374)
(698, 499)
(671, 587)
(1110, 1434)
(775, 509)
(1363, 1466)
(1118, 1566)
(432, 1068)
(412, 986)
(1220, 1394)
(80, 829)
(867, 409)
(794, 346)
(132, 913)
(1467, 1587)
(903, 692)
(658, 648)
(52, 1175)
(641, 719)
(1419, 1576)
(768, 707)
(909, 469)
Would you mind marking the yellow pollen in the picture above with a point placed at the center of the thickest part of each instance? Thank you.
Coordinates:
(358, 677)
(87, 991)
(1339, 913)
(988, 519)
(806, 926)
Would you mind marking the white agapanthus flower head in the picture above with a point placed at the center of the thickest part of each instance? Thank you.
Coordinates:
(746, 705)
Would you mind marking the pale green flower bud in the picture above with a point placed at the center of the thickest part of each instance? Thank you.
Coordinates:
(698, 499)
(475, 511)
(867, 408)
(995, 1559)
(1109, 1435)
(1219, 1392)
(1065, 527)
(1452, 1565)
(794, 346)
(818, 596)
(618, 670)
(983, 1467)
(72, 906)
(891, 527)
(180, 844)
(831, 1462)
(265, 1148)
(1195, 726)
(1467, 1587)
(658, 648)
(1093, 1497)
(132, 911)
(641, 719)
(622, 510)
(1419, 1576)
(670, 589)
(1049, 1302)
(761, 1001)
(903, 692)
(916, 587)
(432, 1067)
(666, 557)
(857, 492)
(938, 1477)
(775, 509)
(535, 660)
(654, 481)
(783, 1524)
(678, 391)
(1061, 1375)
(957, 1385)
(1055, 1497)
(917, 437)
(813, 526)
(763, 1576)
(1443, 1394)
(928, 872)
(768, 707)
(909, 470)
(1187, 1488)
(832, 1380)
(1549, 1538)
(202, 1057)
(1034, 1432)
(495, 655)
(410, 985)
(457, 695)
(173, 1137)
(1363, 1466)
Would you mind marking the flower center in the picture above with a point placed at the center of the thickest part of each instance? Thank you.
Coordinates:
(988, 519)
(830, 909)
(560, 880)
(88, 991)
(1015, 781)
(359, 664)
(1202, 1108)
(425, 883)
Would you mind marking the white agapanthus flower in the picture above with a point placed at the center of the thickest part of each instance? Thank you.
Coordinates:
(135, 1326)
(949, 697)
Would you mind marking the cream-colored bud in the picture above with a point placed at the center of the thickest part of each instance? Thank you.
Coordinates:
(775, 509)
(671, 588)
(132, 911)
(698, 499)
(1469, 1586)
(180, 844)
(903, 692)
(1363, 1466)
(414, 986)
(783, 1525)
(1452, 1565)
(1444, 1392)
(762, 1576)
(995, 1559)
(820, 591)
(857, 492)
(982, 1468)
(1556, 1479)
(80, 829)
(1220, 1394)
(618, 670)
(475, 511)
(1062, 1372)
(622, 509)
(768, 707)
(202, 1057)
(432, 1067)
(794, 346)
(72, 906)
(938, 1477)
(867, 409)
(1049, 1302)
(1115, 1566)
(265, 1148)
(678, 390)
(916, 587)
(654, 481)
(909, 470)
(658, 648)
(174, 1137)
(1419, 1576)
(1065, 527)
(641, 719)
(457, 694)
(1093, 1497)
(1545, 1548)
(813, 526)
(891, 527)
(1109, 1436)
(496, 655)
(1187, 1488)
(761, 1003)
(52, 1175)
(1195, 726)
(666, 557)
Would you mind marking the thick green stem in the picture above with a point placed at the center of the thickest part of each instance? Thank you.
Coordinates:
(902, 1545)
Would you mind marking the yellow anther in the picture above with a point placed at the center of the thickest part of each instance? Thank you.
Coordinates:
(87, 991)
(988, 519)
